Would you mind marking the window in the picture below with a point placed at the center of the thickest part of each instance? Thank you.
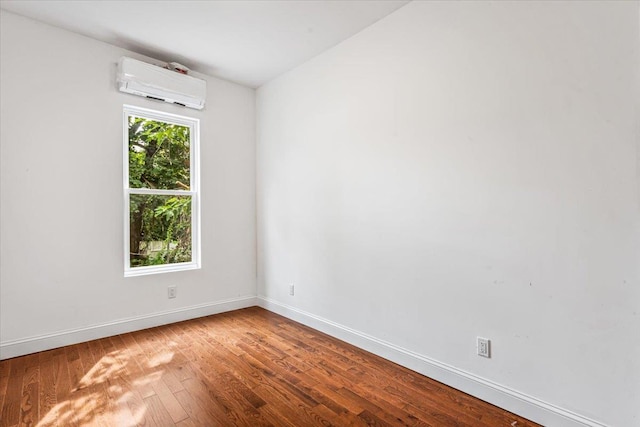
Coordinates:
(161, 192)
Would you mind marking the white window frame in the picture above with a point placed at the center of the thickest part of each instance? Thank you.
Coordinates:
(194, 135)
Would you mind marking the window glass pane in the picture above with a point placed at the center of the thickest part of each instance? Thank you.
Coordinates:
(159, 229)
(159, 155)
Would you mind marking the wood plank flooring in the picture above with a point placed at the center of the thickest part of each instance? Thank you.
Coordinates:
(247, 368)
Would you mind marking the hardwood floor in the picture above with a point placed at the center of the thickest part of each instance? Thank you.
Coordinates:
(249, 367)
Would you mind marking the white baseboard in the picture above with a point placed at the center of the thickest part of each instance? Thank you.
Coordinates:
(29, 345)
(504, 397)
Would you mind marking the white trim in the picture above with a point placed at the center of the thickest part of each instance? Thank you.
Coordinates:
(196, 249)
(194, 183)
(175, 119)
(29, 345)
(163, 268)
(504, 397)
(161, 192)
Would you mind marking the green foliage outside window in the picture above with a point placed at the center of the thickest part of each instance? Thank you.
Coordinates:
(159, 225)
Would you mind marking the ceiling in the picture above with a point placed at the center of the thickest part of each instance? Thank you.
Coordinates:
(248, 42)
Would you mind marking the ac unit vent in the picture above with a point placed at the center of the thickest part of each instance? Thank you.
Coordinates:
(153, 82)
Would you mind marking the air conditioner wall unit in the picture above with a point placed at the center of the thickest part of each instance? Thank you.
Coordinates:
(139, 78)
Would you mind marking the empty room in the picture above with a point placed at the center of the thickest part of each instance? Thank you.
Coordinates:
(320, 213)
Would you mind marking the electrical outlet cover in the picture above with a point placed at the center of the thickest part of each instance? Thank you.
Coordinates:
(172, 291)
(484, 347)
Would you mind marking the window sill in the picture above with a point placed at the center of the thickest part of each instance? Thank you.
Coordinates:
(157, 269)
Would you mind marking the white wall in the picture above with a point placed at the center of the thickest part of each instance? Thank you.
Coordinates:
(61, 136)
(464, 169)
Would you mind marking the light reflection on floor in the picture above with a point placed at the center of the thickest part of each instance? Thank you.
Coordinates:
(87, 403)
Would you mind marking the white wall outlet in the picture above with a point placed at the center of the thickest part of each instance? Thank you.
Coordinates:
(172, 291)
(484, 347)
(291, 289)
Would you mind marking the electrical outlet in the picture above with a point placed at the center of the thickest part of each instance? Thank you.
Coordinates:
(291, 290)
(172, 291)
(484, 347)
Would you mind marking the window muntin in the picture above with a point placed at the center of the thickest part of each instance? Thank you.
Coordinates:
(161, 192)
